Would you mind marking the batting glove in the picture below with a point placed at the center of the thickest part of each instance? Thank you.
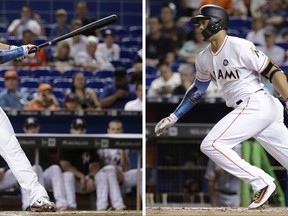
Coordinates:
(30, 50)
(165, 123)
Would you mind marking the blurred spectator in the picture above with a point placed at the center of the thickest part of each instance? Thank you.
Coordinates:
(40, 21)
(274, 52)
(187, 75)
(165, 84)
(117, 159)
(192, 47)
(49, 174)
(117, 94)
(226, 4)
(135, 105)
(26, 22)
(71, 103)
(45, 99)
(108, 51)
(86, 96)
(40, 57)
(12, 96)
(170, 29)
(137, 64)
(60, 27)
(76, 43)
(157, 45)
(87, 58)
(79, 165)
(256, 34)
(274, 14)
(248, 8)
(82, 13)
(224, 188)
(61, 58)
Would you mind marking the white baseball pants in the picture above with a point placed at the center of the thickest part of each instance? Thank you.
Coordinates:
(130, 180)
(17, 161)
(259, 116)
(51, 179)
(107, 185)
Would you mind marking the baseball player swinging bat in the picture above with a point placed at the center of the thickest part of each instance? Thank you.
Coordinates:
(10, 52)
(94, 25)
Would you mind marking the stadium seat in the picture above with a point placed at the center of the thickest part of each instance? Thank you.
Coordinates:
(135, 31)
(129, 42)
(70, 73)
(284, 45)
(88, 74)
(104, 73)
(64, 83)
(2, 85)
(119, 31)
(3, 28)
(13, 41)
(3, 69)
(29, 83)
(24, 72)
(175, 67)
(149, 80)
(151, 70)
(117, 64)
(40, 40)
(284, 68)
(126, 53)
(95, 84)
(236, 23)
(59, 94)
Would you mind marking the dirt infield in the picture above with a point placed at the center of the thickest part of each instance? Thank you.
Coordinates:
(72, 213)
(169, 211)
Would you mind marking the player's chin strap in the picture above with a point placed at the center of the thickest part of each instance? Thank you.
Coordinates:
(267, 70)
(191, 97)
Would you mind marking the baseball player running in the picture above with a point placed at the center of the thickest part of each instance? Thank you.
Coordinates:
(235, 66)
(10, 149)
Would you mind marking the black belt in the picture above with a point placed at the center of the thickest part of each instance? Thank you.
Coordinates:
(227, 192)
(240, 101)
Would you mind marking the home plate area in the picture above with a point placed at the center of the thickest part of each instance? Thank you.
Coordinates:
(72, 213)
(207, 211)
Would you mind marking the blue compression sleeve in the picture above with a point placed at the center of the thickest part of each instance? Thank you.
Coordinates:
(8, 55)
(191, 97)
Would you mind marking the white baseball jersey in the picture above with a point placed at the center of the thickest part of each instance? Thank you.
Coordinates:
(226, 68)
(235, 69)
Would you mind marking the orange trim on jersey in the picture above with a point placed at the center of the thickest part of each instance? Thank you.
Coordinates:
(225, 40)
(204, 80)
(213, 144)
(266, 58)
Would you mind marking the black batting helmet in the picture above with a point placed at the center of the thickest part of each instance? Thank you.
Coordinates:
(217, 16)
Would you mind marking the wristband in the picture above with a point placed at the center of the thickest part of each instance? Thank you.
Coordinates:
(173, 117)
(11, 47)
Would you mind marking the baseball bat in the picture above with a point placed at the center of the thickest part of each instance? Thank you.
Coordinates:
(91, 26)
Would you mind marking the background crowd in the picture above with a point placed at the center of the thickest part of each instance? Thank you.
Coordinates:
(172, 40)
(93, 72)
(96, 55)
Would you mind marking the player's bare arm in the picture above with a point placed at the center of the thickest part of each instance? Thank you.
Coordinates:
(4, 46)
(278, 78)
